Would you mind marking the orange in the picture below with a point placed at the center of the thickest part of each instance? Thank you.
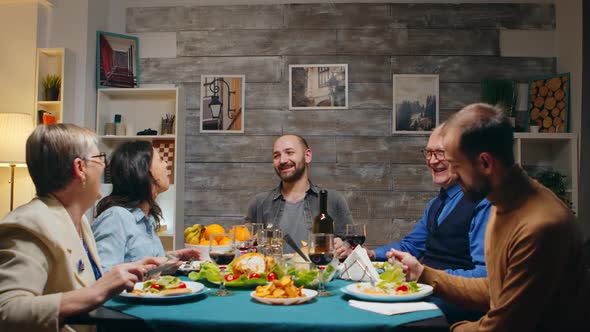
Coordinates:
(205, 242)
(225, 241)
(214, 229)
(242, 233)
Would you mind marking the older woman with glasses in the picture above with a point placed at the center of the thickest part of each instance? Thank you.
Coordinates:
(128, 218)
(49, 266)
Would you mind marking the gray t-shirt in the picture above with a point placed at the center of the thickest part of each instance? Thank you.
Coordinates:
(292, 223)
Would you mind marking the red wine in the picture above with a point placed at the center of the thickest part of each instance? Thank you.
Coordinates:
(355, 240)
(321, 258)
(222, 258)
(323, 222)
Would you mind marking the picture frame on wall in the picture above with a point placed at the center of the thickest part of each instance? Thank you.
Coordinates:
(117, 60)
(222, 103)
(548, 103)
(415, 103)
(318, 86)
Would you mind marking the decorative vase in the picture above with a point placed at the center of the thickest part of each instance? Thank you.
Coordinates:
(52, 94)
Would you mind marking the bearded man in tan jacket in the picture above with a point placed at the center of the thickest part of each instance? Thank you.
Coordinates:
(533, 246)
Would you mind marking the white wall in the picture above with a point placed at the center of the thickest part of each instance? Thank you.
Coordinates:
(72, 24)
(18, 33)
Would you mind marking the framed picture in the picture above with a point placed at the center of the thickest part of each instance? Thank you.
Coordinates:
(117, 60)
(318, 87)
(222, 103)
(549, 102)
(415, 103)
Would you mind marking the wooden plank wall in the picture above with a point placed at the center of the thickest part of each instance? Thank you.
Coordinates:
(382, 176)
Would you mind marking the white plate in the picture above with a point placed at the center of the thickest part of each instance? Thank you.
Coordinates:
(356, 290)
(196, 287)
(309, 294)
(190, 266)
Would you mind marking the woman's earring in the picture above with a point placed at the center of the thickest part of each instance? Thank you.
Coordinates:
(84, 183)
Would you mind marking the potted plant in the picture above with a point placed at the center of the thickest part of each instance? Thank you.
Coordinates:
(501, 92)
(555, 181)
(51, 85)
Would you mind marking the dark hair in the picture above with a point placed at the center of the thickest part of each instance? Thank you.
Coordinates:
(485, 128)
(131, 177)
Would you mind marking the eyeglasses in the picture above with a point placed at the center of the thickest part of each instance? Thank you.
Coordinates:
(438, 154)
(101, 155)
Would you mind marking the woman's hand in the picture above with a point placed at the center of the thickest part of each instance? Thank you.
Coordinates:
(412, 268)
(186, 254)
(124, 276)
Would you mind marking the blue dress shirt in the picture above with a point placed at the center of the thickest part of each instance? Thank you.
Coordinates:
(415, 242)
(125, 235)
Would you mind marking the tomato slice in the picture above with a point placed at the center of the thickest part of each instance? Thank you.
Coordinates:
(254, 276)
(156, 286)
(402, 288)
(271, 276)
(182, 285)
(231, 277)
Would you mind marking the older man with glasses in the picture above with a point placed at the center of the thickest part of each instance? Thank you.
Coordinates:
(450, 234)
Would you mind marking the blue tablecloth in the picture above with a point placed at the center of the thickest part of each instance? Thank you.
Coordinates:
(241, 312)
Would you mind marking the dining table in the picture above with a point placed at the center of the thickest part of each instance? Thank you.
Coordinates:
(241, 312)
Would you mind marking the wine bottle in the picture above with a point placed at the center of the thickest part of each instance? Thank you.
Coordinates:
(323, 223)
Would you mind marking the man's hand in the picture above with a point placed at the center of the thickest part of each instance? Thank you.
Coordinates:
(341, 248)
(412, 268)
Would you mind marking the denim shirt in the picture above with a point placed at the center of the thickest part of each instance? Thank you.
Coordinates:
(125, 235)
(415, 241)
(268, 207)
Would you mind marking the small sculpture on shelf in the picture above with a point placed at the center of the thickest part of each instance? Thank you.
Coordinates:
(147, 132)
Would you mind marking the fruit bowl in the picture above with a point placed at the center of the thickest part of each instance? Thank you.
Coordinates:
(204, 250)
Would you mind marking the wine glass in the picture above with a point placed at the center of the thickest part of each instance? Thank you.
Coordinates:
(222, 255)
(356, 234)
(321, 253)
(253, 228)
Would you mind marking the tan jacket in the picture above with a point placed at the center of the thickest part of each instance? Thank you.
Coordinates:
(40, 255)
(536, 279)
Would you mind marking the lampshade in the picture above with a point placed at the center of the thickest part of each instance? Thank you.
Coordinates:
(15, 128)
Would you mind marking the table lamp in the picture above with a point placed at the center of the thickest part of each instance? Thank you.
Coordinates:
(15, 128)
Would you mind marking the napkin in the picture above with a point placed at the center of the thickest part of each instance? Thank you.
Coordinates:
(357, 266)
(390, 309)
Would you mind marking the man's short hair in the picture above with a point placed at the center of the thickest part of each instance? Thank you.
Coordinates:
(484, 128)
(300, 139)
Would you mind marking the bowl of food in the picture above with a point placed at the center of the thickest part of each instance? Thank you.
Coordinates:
(307, 275)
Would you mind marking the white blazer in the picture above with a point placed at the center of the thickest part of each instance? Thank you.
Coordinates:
(41, 256)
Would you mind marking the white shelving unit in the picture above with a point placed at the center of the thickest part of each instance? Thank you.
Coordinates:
(49, 61)
(558, 152)
(143, 108)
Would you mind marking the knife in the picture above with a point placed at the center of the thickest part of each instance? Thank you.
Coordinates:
(161, 268)
(294, 246)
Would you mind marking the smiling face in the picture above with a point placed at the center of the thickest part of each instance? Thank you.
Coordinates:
(474, 183)
(439, 169)
(290, 158)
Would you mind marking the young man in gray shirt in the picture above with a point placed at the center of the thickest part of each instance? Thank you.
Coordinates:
(294, 203)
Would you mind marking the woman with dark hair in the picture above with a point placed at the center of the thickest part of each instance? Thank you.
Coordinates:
(49, 266)
(128, 219)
